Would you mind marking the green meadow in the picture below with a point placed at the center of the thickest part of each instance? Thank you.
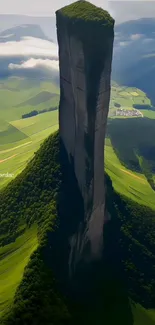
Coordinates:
(13, 259)
(20, 138)
(126, 98)
(131, 184)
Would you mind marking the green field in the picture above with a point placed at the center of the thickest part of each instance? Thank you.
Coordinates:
(131, 184)
(25, 96)
(126, 97)
(142, 316)
(13, 259)
(20, 138)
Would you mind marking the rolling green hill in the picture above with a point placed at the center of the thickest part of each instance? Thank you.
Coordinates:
(23, 90)
(18, 147)
(40, 98)
(20, 138)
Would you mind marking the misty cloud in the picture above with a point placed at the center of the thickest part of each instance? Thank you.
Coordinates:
(29, 46)
(36, 64)
(30, 57)
(135, 37)
(124, 44)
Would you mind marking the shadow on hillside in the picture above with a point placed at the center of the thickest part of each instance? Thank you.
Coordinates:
(96, 293)
(133, 143)
(130, 137)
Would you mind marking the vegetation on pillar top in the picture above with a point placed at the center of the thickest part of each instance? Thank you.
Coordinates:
(87, 12)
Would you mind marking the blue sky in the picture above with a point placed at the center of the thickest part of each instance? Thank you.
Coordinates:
(121, 10)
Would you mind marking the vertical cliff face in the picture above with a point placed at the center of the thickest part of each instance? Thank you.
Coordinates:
(85, 38)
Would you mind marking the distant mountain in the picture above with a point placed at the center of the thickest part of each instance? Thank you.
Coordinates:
(134, 55)
(26, 50)
(47, 24)
(18, 32)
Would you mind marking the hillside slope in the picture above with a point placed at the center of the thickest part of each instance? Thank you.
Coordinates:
(30, 202)
(133, 143)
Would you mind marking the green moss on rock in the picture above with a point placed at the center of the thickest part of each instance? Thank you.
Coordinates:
(85, 11)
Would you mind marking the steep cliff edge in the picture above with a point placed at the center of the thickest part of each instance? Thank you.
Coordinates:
(85, 37)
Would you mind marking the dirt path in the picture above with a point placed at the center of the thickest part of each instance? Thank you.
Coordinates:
(131, 174)
(1, 161)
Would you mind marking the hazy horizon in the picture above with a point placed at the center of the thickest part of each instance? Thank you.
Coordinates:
(120, 10)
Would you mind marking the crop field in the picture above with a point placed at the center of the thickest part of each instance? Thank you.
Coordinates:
(20, 138)
(149, 114)
(20, 96)
(36, 123)
(14, 160)
(126, 98)
(13, 259)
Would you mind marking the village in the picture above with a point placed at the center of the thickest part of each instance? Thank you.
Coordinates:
(127, 112)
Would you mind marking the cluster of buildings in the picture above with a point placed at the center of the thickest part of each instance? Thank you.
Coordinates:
(127, 112)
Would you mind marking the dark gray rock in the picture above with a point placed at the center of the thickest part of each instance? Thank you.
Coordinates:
(85, 56)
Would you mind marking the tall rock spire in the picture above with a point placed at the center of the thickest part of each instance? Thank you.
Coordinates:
(85, 38)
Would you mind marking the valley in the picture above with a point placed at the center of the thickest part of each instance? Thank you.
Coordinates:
(20, 139)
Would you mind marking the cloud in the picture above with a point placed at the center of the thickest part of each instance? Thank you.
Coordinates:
(33, 63)
(34, 68)
(29, 46)
(30, 57)
(135, 37)
(122, 44)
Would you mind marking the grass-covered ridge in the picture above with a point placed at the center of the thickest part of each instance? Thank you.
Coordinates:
(31, 201)
(86, 11)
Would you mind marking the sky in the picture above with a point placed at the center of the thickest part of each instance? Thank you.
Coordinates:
(121, 10)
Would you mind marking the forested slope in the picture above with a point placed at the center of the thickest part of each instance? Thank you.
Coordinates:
(128, 268)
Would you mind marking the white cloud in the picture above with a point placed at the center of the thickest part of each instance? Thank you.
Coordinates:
(124, 43)
(135, 37)
(29, 46)
(36, 64)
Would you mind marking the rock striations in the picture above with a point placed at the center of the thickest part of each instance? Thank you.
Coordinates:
(85, 38)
